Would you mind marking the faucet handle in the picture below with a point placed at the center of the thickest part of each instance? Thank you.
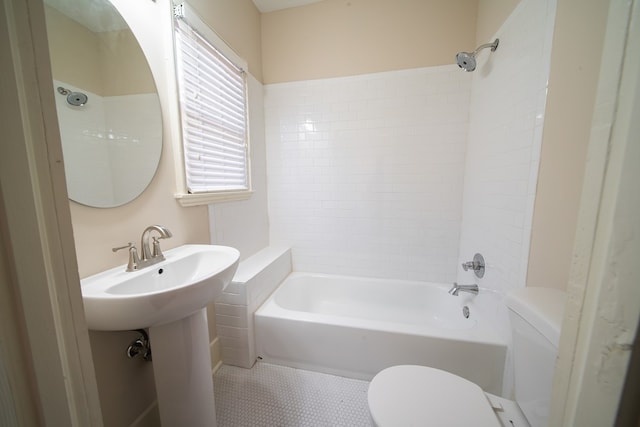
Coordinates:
(132, 265)
(477, 265)
(156, 251)
(468, 265)
(127, 246)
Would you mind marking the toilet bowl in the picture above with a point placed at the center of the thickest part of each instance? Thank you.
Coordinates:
(409, 395)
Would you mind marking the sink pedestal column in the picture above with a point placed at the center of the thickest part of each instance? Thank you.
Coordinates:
(182, 371)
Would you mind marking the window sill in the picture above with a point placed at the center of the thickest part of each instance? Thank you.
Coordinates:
(199, 199)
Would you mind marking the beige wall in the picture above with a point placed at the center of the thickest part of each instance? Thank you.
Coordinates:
(491, 15)
(575, 66)
(349, 37)
(237, 22)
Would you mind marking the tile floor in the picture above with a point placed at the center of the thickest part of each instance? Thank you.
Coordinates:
(270, 395)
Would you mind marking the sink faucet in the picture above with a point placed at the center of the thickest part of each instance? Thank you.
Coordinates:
(465, 288)
(149, 256)
(152, 256)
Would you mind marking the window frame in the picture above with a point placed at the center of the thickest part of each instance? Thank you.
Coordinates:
(183, 196)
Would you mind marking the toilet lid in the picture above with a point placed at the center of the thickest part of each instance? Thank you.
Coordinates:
(410, 395)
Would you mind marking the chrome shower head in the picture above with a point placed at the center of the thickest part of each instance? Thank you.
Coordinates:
(77, 99)
(467, 60)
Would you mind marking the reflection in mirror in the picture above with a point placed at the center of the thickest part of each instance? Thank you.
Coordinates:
(107, 103)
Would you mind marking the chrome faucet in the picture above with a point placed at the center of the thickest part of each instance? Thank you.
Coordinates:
(152, 256)
(473, 289)
(149, 256)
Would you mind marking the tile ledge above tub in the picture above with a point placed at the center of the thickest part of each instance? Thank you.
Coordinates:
(256, 278)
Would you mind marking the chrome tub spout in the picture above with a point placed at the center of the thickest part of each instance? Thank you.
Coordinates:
(473, 289)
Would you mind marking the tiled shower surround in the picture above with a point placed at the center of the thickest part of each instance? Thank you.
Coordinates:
(508, 98)
(405, 174)
(366, 173)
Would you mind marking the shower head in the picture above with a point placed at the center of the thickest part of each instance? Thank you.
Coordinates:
(467, 60)
(77, 99)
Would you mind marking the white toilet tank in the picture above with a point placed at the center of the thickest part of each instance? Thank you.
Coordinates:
(536, 317)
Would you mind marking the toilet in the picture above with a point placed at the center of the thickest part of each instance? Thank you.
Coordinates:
(409, 395)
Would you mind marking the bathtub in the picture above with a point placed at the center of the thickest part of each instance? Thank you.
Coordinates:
(355, 327)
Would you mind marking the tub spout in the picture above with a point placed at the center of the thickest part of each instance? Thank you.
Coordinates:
(473, 289)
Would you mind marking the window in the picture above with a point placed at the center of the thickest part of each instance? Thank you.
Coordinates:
(213, 108)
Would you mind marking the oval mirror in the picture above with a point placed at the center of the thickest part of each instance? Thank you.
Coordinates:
(107, 103)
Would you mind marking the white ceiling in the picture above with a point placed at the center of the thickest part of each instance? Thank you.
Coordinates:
(271, 5)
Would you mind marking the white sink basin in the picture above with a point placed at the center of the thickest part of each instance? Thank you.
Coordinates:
(190, 278)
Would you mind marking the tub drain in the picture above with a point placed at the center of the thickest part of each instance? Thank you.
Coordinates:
(465, 312)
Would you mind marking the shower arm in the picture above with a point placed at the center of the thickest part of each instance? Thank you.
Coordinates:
(493, 46)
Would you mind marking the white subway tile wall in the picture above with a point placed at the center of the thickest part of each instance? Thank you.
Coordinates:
(366, 173)
(508, 98)
(244, 224)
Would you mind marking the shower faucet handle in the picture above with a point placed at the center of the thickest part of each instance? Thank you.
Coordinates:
(468, 265)
(477, 265)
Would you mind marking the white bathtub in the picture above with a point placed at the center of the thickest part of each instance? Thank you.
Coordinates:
(355, 327)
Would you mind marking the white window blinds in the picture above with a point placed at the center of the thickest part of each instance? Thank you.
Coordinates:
(214, 113)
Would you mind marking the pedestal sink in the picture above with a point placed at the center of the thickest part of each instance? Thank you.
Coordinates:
(170, 299)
